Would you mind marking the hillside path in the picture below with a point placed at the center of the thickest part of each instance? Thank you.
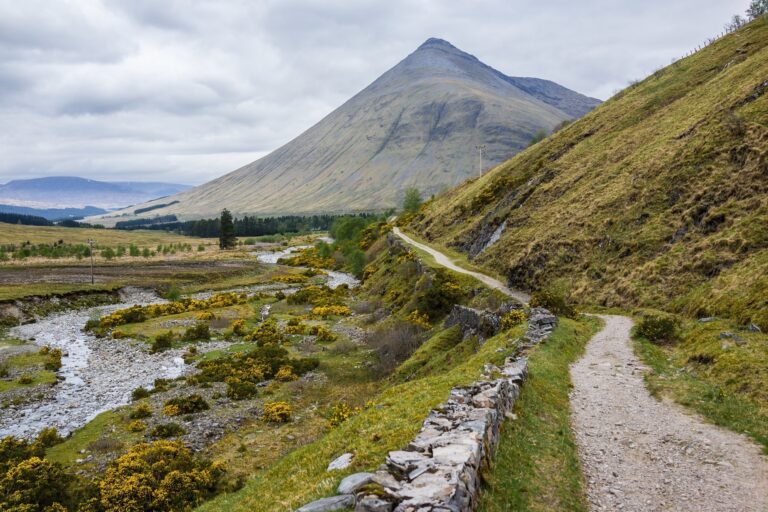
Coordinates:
(642, 454)
(445, 261)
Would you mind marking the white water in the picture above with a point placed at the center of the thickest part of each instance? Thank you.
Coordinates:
(335, 278)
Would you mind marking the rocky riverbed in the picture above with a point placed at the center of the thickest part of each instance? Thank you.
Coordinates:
(96, 374)
(334, 278)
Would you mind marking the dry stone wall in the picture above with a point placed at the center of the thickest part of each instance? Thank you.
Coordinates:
(440, 470)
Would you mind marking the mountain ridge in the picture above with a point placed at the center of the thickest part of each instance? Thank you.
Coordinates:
(416, 125)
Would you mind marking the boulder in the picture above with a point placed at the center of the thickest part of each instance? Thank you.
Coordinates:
(331, 504)
(373, 504)
(474, 322)
(352, 483)
(341, 462)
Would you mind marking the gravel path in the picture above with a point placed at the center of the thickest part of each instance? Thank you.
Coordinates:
(640, 454)
(445, 261)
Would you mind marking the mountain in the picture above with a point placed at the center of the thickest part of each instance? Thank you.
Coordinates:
(415, 126)
(71, 192)
(53, 213)
(657, 197)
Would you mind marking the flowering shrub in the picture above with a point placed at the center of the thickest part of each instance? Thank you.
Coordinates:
(267, 332)
(161, 476)
(316, 296)
(297, 328)
(185, 405)
(290, 278)
(324, 335)
(205, 316)
(513, 318)
(309, 257)
(326, 311)
(277, 412)
(341, 412)
(136, 314)
(238, 327)
(136, 426)
(419, 320)
(239, 389)
(285, 374)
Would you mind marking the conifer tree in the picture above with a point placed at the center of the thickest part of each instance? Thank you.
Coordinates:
(227, 238)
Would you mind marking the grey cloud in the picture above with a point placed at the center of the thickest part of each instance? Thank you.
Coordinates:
(188, 90)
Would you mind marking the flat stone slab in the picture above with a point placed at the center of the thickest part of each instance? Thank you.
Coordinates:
(329, 504)
(350, 484)
(341, 462)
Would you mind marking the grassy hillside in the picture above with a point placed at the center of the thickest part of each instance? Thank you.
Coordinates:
(656, 197)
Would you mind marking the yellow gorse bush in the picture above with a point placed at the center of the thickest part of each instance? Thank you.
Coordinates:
(513, 318)
(326, 311)
(136, 314)
(277, 412)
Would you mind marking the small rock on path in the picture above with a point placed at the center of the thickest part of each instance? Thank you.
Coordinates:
(640, 454)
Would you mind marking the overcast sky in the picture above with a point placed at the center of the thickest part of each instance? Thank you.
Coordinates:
(187, 90)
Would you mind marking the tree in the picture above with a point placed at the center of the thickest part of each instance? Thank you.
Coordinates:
(227, 238)
(538, 137)
(757, 8)
(412, 200)
(735, 23)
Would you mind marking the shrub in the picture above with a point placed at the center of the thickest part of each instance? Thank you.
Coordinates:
(340, 413)
(53, 358)
(238, 327)
(277, 412)
(14, 450)
(48, 437)
(238, 389)
(185, 405)
(326, 311)
(323, 334)
(140, 411)
(316, 296)
(419, 320)
(205, 316)
(173, 293)
(163, 341)
(443, 292)
(659, 327)
(267, 332)
(161, 476)
(33, 484)
(285, 374)
(394, 342)
(199, 331)
(166, 430)
(25, 379)
(513, 318)
(136, 426)
(139, 393)
(557, 298)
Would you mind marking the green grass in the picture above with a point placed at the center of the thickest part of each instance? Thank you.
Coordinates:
(38, 377)
(17, 234)
(31, 364)
(726, 388)
(300, 476)
(19, 291)
(536, 467)
(109, 424)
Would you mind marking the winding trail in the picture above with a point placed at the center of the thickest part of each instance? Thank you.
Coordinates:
(445, 261)
(641, 454)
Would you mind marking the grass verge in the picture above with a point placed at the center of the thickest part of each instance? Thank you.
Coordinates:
(537, 466)
(716, 378)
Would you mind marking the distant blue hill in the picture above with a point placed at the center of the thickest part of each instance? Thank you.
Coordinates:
(53, 213)
(64, 192)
